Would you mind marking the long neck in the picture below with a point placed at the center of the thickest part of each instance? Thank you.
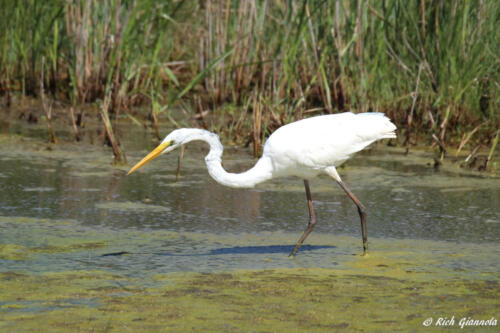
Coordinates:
(261, 172)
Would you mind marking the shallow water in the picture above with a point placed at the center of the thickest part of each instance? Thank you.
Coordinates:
(67, 210)
(405, 198)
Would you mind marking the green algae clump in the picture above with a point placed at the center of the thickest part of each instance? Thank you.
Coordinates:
(12, 252)
(278, 300)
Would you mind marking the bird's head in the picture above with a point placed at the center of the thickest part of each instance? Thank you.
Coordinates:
(172, 141)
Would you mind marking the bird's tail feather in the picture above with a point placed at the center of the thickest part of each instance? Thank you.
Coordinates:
(389, 135)
(376, 126)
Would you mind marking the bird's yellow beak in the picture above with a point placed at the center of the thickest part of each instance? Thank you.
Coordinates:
(151, 156)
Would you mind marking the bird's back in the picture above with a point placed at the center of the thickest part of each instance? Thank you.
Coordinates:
(307, 146)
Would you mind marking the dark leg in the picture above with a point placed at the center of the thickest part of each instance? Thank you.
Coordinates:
(362, 214)
(312, 220)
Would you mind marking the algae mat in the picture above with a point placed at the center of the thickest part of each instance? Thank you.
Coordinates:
(277, 300)
(78, 279)
(118, 281)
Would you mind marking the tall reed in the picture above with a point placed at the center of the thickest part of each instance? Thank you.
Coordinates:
(433, 66)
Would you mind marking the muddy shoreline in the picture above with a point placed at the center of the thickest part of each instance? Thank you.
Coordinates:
(134, 133)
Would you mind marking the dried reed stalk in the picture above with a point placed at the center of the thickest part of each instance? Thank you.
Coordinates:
(73, 122)
(119, 156)
(492, 149)
(257, 127)
(47, 108)
(410, 114)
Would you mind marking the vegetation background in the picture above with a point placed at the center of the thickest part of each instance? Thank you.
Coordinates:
(244, 68)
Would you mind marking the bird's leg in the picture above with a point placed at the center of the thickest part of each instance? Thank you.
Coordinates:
(362, 214)
(312, 219)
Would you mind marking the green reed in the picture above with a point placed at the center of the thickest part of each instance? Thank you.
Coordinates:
(433, 66)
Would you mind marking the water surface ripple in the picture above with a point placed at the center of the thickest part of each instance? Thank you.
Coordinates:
(69, 209)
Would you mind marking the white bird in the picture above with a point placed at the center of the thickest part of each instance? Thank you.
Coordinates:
(305, 149)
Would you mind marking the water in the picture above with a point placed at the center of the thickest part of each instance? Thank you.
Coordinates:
(72, 195)
(83, 247)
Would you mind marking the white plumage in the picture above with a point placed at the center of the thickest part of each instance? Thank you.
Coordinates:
(304, 148)
(310, 146)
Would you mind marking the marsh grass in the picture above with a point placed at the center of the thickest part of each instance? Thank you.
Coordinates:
(247, 67)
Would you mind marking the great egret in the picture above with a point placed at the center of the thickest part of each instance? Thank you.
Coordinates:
(304, 148)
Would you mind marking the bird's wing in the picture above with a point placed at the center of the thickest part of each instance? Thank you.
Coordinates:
(325, 141)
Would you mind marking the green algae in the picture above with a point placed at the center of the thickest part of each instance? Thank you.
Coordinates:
(278, 300)
(398, 285)
(18, 252)
(45, 236)
(13, 252)
(75, 246)
(35, 220)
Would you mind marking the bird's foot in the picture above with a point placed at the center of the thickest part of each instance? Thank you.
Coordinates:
(365, 248)
(295, 249)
